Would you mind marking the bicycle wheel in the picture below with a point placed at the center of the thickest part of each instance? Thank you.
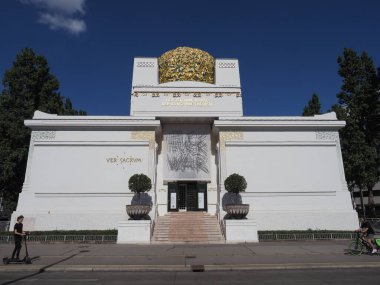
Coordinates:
(355, 248)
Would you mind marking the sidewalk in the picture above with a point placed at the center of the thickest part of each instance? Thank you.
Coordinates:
(178, 257)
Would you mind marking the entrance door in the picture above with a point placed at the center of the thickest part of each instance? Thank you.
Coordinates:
(182, 198)
(192, 197)
(187, 196)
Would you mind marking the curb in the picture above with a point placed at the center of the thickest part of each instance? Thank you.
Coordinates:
(179, 268)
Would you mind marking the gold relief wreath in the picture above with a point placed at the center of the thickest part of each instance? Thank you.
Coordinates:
(186, 64)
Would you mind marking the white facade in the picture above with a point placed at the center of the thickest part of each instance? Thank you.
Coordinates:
(78, 167)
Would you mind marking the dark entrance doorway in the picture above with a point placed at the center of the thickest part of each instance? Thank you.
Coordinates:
(187, 196)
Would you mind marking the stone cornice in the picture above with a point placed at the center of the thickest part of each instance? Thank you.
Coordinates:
(279, 122)
(98, 122)
(279, 125)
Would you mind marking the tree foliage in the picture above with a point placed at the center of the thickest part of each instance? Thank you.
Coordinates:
(359, 107)
(27, 86)
(235, 183)
(313, 106)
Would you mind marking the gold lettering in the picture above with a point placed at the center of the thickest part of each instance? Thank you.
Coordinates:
(186, 102)
(124, 160)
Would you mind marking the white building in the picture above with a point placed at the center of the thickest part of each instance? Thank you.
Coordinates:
(187, 132)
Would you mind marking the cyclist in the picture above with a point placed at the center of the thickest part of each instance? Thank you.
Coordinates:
(368, 233)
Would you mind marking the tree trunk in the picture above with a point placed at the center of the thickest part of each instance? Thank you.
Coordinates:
(351, 189)
(352, 200)
(371, 201)
(362, 202)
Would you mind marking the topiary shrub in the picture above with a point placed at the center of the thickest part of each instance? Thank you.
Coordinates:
(235, 183)
(139, 183)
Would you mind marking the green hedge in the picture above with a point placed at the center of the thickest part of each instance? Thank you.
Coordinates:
(305, 232)
(87, 232)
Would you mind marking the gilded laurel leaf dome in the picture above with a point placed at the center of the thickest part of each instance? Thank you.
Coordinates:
(186, 64)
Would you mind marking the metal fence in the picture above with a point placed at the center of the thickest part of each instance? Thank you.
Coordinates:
(113, 238)
(64, 238)
(307, 236)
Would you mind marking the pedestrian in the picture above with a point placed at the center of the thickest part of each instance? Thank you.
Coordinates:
(18, 235)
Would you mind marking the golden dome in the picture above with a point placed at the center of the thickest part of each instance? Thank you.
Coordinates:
(186, 64)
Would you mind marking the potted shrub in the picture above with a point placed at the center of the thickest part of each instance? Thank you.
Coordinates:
(139, 183)
(234, 184)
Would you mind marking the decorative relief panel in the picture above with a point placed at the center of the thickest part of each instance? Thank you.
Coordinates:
(145, 64)
(145, 136)
(229, 136)
(327, 136)
(187, 152)
(43, 135)
(180, 94)
(227, 65)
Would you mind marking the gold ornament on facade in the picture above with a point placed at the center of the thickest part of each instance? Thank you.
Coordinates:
(145, 136)
(186, 64)
(229, 136)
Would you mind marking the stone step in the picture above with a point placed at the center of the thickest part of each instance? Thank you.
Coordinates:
(188, 224)
(215, 233)
(189, 220)
(187, 227)
(189, 238)
(185, 238)
(188, 242)
(199, 229)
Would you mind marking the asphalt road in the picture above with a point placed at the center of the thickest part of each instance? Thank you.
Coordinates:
(262, 277)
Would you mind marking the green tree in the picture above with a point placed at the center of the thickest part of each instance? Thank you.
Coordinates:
(27, 86)
(313, 106)
(358, 106)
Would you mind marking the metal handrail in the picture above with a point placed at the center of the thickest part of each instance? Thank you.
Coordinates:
(153, 224)
(222, 224)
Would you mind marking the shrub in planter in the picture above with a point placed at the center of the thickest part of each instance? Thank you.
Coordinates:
(139, 183)
(235, 184)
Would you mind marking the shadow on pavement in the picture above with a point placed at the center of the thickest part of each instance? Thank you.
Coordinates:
(42, 270)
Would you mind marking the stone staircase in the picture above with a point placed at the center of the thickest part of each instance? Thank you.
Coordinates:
(187, 227)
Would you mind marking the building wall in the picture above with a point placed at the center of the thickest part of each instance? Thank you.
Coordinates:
(79, 179)
(295, 178)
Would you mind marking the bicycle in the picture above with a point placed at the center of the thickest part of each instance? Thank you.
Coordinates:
(359, 245)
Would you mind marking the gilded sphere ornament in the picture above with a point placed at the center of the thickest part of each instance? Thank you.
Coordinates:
(186, 64)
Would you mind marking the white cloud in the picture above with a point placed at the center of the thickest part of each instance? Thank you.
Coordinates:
(56, 21)
(61, 14)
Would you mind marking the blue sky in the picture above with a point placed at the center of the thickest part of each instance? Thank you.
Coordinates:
(286, 49)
